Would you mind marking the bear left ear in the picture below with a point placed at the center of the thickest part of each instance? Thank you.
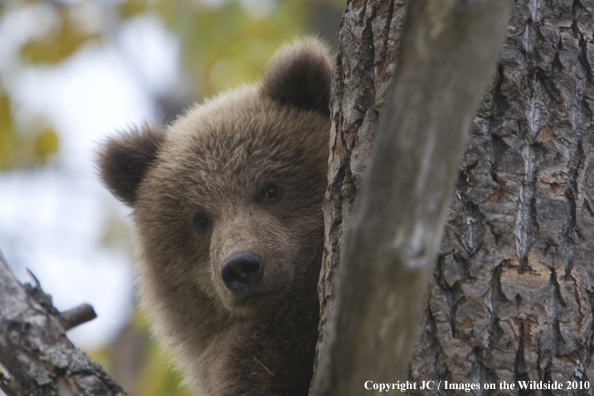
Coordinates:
(124, 159)
(300, 74)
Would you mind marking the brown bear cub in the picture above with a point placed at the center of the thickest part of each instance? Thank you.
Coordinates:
(227, 206)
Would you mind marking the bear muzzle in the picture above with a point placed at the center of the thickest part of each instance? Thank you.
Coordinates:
(242, 273)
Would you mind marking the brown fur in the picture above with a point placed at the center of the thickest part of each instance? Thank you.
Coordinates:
(124, 161)
(217, 162)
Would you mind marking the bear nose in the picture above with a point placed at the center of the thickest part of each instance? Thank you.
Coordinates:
(242, 270)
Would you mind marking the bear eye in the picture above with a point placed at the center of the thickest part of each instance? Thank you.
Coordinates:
(200, 222)
(271, 193)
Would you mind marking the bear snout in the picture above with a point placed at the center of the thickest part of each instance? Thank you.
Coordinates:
(242, 272)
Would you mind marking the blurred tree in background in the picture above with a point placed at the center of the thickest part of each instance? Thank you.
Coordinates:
(222, 43)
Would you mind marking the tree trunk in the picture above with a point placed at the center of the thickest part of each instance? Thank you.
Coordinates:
(511, 297)
(448, 55)
(36, 357)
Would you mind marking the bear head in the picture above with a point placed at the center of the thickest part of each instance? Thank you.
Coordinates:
(227, 201)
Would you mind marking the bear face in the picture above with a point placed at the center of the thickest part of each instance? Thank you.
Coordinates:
(229, 227)
(215, 201)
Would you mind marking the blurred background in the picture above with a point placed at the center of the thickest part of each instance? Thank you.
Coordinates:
(73, 72)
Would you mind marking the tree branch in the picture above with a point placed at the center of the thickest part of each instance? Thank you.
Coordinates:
(448, 54)
(77, 316)
(36, 357)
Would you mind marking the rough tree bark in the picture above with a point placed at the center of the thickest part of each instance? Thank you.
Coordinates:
(448, 55)
(511, 297)
(36, 357)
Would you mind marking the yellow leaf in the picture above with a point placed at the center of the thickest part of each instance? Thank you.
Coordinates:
(7, 144)
(132, 8)
(46, 143)
(63, 41)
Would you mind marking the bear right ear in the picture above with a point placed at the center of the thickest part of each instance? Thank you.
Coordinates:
(300, 74)
(124, 159)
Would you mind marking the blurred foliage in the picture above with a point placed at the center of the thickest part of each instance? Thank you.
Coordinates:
(227, 45)
(7, 135)
(19, 149)
(221, 46)
(64, 38)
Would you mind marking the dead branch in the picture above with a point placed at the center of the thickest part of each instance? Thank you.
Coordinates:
(36, 357)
